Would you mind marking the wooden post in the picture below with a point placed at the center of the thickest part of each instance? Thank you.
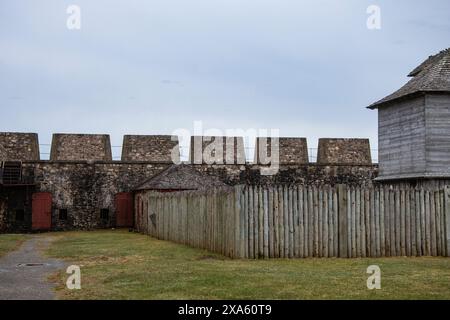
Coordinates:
(447, 219)
(325, 209)
(281, 219)
(358, 222)
(276, 223)
(266, 223)
(382, 230)
(433, 225)
(363, 222)
(320, 222)
(408, 223)
(301, 235)
(402, 223)
(343, 220)
(271, 226)
(286, 221)
(296, 222)
(291, 222)
(251, 228)
(260, 223)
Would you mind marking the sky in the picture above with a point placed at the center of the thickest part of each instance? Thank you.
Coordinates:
(306, 68)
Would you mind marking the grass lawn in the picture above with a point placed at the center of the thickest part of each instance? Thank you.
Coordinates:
(9, 242)
(123, 265)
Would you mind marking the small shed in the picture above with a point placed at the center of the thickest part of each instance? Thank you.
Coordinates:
(414, 124)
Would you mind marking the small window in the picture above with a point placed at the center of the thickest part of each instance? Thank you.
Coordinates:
(104, 214)
(62, 214)
(20, 215)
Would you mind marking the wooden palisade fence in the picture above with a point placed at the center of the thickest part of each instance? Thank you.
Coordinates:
(302, 221)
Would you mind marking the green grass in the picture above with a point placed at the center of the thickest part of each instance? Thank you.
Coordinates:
(123, 265)
(9, 242)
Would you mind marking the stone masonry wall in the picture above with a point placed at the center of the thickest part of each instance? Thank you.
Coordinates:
(307, 174)
(157, 148)
(204, 149)
(290, 150)
(344, 151)
(19, 146)
(76, 147)
(84, 189)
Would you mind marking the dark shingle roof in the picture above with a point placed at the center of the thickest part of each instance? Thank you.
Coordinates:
(181, 177)
(433, 75)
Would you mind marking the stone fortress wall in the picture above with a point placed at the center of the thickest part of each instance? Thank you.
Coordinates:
(83, 179)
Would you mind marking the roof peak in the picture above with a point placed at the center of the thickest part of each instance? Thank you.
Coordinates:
(432, 59)
(432, 75)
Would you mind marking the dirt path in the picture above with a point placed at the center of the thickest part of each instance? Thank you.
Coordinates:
(24, 272)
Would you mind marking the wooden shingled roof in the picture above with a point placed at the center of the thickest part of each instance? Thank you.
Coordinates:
(433, 75)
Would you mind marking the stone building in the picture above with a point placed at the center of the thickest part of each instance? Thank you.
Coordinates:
(81, 187)
(414, 124)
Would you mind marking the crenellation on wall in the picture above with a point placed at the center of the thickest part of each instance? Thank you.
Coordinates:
(290, 150)
(89, 147)
(217, 150)
(344, 151)
(158, 148)
(83, 179)
(18, 146)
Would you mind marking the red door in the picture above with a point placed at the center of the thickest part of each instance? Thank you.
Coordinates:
(124, 209)
(41, 218)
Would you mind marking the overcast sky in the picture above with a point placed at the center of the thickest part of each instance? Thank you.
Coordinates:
(307, 68)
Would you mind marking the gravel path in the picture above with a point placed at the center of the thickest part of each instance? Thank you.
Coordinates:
(24, 272)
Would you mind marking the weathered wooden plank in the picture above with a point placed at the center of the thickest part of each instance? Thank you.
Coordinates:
(308, 209)
(246, 222)
(433, 243)
(271, 219)
(301, 215)
(336, 222)
(387, 226)
(276, 223)
(281, 197)
(368, 229)
(260, 223)
(413, 222)
(392, 219)
(343, 220)
(373, 245)
(439, 211)
(408, 222)
(397, 196)
(423, 223)
(358, 222)
(402, 223)
(353, 220)
(266, 222)
(330, 223)
(427, 223)
(325, 239)
(295, 206)
(447, 219)
(377, 222)
(290, 208)
(256, 208)
(316, 222)
(350, 222)
(362, 219)
(382, 225)
(320, 222)
(251, 222)
(418, 196)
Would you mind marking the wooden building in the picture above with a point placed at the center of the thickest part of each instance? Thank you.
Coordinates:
(414, 124)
